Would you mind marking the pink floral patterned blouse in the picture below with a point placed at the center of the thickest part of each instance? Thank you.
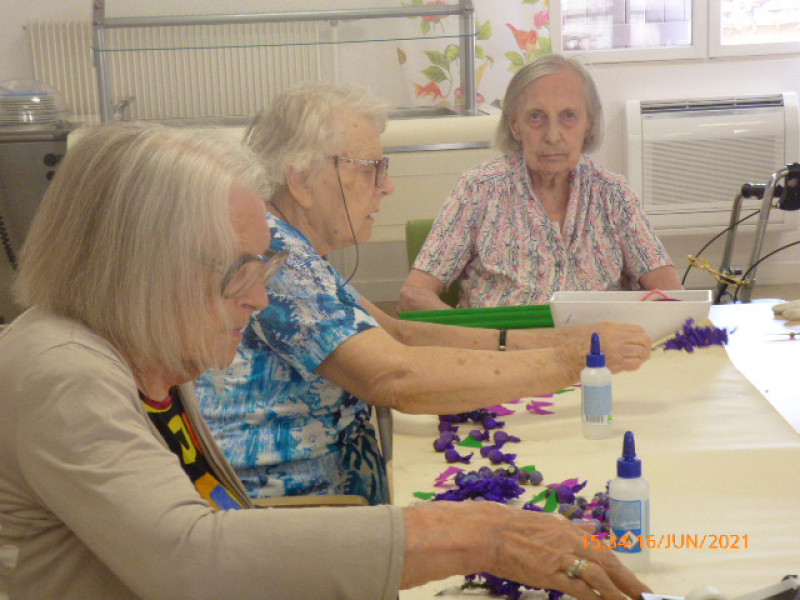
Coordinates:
(494, 236)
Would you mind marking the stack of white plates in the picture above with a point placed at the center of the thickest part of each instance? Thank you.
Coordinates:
(29, 102)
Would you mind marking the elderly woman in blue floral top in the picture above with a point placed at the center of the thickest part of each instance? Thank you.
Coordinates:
(292, 413)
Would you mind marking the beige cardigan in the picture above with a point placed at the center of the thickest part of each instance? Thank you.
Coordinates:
(100, 508)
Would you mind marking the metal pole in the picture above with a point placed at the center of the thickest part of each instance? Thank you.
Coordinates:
(277, 17)
(468, 35)
(100, 64)
(763, 219)
(725, 267)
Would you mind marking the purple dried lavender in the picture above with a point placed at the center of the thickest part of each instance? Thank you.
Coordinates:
(451, 455)
(497, 456)
(457, 418)
(486, 449)
(497, 586)
(445, 441)
(565, 494)
(481, 436)
(447, 426)
(501, 437)
(536, 478)
(692, 336)
(499, 485)
(571, 511)
(485, 483)
(440, 445)
(492, 423)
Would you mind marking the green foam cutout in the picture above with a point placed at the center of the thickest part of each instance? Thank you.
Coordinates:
(470, 442)
(552, 501)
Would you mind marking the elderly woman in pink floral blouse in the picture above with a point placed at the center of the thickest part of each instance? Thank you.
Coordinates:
(543, 217)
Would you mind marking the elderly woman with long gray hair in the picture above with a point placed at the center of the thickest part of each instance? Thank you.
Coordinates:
(543, 217)
(142, 267)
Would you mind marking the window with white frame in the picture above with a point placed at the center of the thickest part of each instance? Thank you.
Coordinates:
(617, 24)
(741, 27)
(630, 30)
(625, 30)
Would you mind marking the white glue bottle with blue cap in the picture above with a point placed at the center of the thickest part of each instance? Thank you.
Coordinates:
(629, 509)
(596, 400)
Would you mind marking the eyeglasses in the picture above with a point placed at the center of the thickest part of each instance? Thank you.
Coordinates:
(381, 166)
(249, 269)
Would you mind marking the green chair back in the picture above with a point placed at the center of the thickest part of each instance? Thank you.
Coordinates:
(416, 233)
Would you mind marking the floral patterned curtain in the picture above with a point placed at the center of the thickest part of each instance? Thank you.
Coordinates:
(510, 34)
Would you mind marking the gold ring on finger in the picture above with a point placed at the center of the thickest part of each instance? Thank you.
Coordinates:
(576, 569)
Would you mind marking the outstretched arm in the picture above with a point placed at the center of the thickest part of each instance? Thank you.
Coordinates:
(421, 292)
(375, 367)
(626, 346)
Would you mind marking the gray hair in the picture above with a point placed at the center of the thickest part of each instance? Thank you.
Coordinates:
(548, 64)
(300, 128)
(128, 235)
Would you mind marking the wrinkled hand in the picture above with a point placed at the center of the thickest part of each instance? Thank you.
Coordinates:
(537, 548)
(626, 346)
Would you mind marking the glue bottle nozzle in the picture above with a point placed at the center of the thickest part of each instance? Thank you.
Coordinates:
(595, 359)
(628, 446)
(629, 465)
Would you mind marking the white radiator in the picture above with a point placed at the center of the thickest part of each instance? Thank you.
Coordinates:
(687, 159)
(178, 71)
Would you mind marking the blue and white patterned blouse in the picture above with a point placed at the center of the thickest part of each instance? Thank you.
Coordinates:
(285, 429)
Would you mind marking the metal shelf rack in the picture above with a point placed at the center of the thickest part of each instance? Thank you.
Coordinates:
(464, 9)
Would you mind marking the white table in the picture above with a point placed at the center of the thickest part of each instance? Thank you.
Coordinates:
(719, 458)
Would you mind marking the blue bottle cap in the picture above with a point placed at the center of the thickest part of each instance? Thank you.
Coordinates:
(595, 359)
(628, 466)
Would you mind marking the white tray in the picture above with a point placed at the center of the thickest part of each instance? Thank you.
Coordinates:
(659, 318)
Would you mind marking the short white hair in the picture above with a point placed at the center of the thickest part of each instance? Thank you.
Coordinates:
(541, 66)
(129, 233)
(299, 128)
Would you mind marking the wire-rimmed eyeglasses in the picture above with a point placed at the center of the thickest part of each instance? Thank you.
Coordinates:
(249, 269)
(381, 166)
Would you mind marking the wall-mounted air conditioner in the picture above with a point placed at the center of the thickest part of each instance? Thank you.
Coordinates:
(688, 159)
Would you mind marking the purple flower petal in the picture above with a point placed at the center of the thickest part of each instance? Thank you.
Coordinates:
(565, 495)
(501, 437)
(497, 456)
(449, 436)
(486, 449)
(577, 487)
(459, 418)
(451, 455)
(492, 423)
(537, 407)
(440, 445)
(479, 435)
(500, 410)
(445, 477)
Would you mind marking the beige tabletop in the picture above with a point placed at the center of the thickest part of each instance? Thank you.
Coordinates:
(720, 459)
